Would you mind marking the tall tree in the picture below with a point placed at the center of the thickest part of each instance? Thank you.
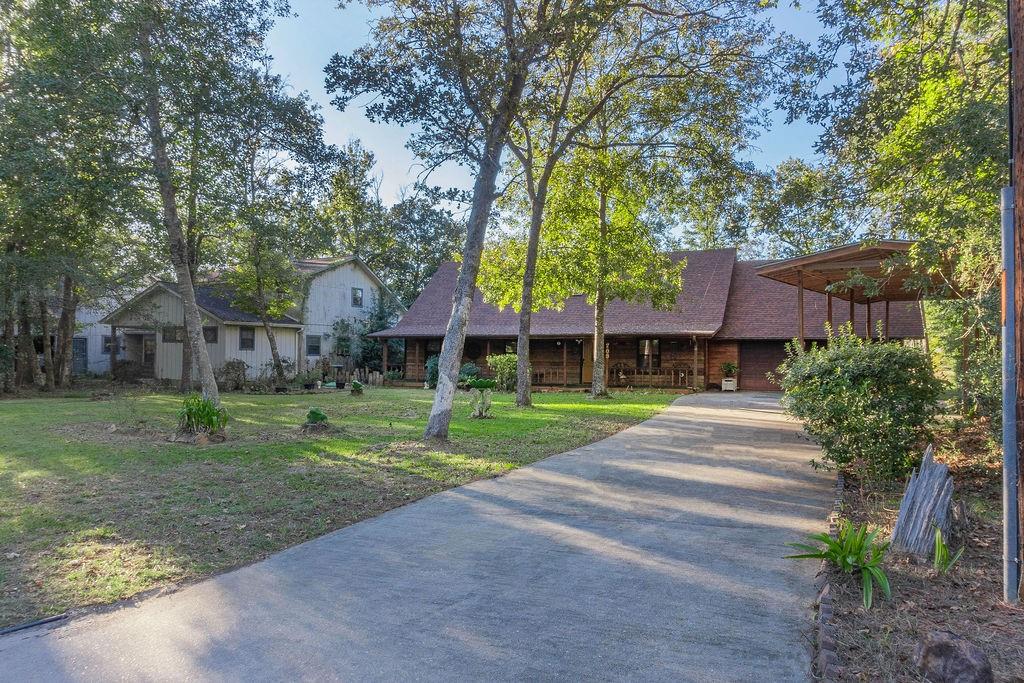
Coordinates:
(459, 71)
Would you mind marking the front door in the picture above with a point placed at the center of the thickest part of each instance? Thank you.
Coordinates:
(79, 355)
(148, 353)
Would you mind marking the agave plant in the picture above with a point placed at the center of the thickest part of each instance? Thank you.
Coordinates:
(854, 549)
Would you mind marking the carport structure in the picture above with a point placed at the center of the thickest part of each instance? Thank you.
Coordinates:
(888, 278)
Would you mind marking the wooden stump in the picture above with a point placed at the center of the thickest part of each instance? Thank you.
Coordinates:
(926, 504)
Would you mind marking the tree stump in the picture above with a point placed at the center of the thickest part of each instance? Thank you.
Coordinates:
(925, 505)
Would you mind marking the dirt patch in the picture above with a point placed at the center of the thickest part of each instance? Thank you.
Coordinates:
(878, 644)
(319, 429)
(107, 432)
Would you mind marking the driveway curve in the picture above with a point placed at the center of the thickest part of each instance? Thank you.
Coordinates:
(655, 554)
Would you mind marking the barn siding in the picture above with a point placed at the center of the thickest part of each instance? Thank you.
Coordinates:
(330, 299)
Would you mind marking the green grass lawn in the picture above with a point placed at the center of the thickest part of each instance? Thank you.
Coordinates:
(96, 505)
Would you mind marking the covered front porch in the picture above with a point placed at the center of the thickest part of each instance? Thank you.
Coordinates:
(630, 361)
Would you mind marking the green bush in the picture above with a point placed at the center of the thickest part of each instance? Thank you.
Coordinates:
(357, 388)
(854, 549)
(467, 372)
(232, 375)
(503, 365)
(200, 414)
(316, 416)
(431, 368)
(868, 404)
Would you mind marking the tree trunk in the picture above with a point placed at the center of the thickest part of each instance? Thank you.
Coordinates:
(598, 386)
(44, 325)
(476, 230)
(30, 373)
(9, 381)
(172, 222)
(64, 362)
(523, 388)
(272, 338)
(191, 235)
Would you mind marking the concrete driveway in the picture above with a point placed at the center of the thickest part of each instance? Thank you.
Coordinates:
(654, 554)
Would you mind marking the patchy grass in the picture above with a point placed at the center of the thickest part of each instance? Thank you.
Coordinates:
(96, 505)
(878, 644)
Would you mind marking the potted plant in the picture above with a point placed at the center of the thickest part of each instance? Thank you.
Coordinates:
(729, 370)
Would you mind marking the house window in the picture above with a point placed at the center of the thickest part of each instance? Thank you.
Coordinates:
(357, 297)
(106, 344)
(648, 353)
(313, 345)
(210, 334)
(173, 334)
(246, 338)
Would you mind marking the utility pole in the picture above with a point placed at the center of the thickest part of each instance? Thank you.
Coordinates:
(1012, 206)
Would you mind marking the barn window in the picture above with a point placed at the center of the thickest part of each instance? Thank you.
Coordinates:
(246, 338)
(648, 353)
(173, 334)
(313, 345)
(210, 334)
(357, 297)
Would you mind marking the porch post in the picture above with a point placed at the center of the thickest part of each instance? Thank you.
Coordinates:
(828, 301)
(800, 307)
(384, 361)
(565, 362)
(694, 361)
(113, 349)
(867, 323)
(886, 320)
(853, 315)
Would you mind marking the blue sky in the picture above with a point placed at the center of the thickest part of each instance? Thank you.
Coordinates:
(303, 44)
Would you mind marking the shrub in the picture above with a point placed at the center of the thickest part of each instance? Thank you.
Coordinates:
(128, 371)
(869, 404)
(357, 388)
(231, 376)
(481, 396)
(311, 376)
(199, 414)
(393, 375)
(316, 416)
(853, 550)
(503, 365)
(431, 368)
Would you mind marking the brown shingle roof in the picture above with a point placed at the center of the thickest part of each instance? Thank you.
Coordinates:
(760, 308)
(700, 308)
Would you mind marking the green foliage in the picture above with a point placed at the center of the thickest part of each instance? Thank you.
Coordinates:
(352, 340)
(199, 414)
(432, 373)
(311, 376)
(467, 372)
(853, 550)
(6, 360)
(316, 416)
(503, 365)
(357, 388)
(729, 369)
(393, 375)
(943, 561)
(869, 404)
(232, 374)
(481, 396)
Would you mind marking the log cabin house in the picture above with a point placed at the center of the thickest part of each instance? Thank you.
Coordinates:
(725, 312)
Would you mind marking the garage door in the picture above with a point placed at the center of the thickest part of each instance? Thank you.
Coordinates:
(757, 358)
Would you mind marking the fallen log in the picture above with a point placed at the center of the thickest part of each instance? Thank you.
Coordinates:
(926, 504)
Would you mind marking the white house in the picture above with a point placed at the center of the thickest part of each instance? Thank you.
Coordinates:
(91, 343)
(152, 323)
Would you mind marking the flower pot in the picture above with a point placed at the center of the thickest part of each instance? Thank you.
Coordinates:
(729, 384)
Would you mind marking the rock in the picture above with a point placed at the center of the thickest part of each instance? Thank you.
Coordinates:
(945, 657)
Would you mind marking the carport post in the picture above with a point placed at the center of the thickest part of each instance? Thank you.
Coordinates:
(828, 301)
(1011, 474)
(799, 306)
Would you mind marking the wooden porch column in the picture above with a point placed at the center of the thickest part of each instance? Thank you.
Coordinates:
(384, 361)
(867, 323)
(565, 362)
(853, 315)
(828, 303)
(694, 362)
(113, 349)
(799, 306)
(886, 320)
